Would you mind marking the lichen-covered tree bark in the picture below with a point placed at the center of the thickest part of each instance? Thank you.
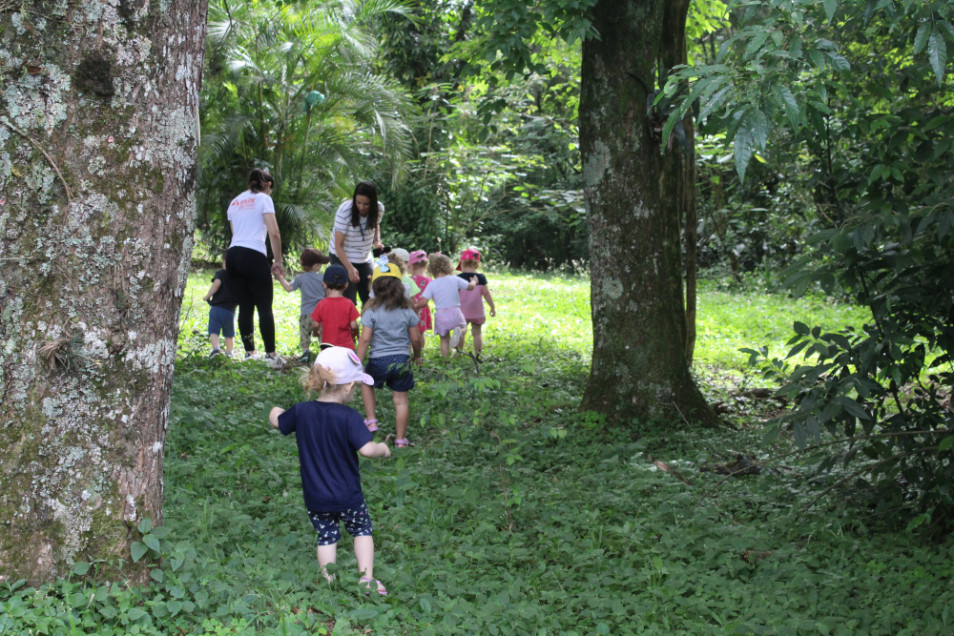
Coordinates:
(639, 367)
(98, 116)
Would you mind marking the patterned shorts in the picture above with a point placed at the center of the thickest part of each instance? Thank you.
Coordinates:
(357, 522)
(395, 371)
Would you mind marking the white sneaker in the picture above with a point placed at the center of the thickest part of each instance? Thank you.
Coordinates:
(274, 362)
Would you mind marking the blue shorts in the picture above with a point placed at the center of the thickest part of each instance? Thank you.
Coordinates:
(357, 522)
(221, 319)
(395, 371)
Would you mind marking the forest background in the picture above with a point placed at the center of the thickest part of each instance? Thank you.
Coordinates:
(823, 137)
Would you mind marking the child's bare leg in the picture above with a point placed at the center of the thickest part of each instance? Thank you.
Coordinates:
(329, 554)
(367, 396)
(229, 344)
(478, 339)
(445, 346)
(402, 411)
(463, 337)
(214, 340)
(364, 555)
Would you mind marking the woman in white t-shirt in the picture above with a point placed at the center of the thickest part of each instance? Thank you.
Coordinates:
(252, 218)
(356, 231)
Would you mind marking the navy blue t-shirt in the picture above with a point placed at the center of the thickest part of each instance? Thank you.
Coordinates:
(226, 296)
(329, 436)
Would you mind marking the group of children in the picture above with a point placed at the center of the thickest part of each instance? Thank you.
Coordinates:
(330, 435)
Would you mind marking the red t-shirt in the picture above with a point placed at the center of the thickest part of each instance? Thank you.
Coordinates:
(335, 316)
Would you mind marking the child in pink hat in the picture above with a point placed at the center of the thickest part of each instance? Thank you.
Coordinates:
(472, 300)
(417, 261)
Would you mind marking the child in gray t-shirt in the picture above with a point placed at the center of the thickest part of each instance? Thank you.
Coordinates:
(312, 290)
(389, 337)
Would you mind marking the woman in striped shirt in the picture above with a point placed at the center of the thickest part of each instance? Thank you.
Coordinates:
(357, 229)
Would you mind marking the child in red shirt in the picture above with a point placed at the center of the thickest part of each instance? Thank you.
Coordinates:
(336, 317)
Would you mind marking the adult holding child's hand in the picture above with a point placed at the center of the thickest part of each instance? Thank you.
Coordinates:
(356, 231)
(252, 218)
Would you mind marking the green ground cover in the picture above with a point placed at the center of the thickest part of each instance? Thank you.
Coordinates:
(513, 513)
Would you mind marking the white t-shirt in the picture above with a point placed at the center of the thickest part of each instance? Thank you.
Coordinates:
(247, 214)
(358, 240)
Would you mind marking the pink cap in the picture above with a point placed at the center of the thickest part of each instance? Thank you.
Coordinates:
(470, 254)
(417, 256)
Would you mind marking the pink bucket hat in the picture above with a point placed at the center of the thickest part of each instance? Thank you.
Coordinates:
(417, 256)
(344, 364)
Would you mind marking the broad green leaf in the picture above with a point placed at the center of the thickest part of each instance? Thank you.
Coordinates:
(137, 550)
(151, 541)
(937, 54)
(742, 152)
(920, 39)
(830, 7)
(792, 111)
(145, 525)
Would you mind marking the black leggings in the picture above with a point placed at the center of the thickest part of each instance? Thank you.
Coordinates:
(252, 277)
(363, 288)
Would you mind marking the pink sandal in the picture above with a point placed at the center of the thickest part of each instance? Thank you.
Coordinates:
(372, 424)
(401, 443)
(366, 582)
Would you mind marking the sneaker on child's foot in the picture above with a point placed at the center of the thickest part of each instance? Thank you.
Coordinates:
(274, 361)
(215, 352)
(305, 357)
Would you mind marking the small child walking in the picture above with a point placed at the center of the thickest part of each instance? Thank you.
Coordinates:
(417, 261)
(222, 300)
(312, 291)
(472, 301)
(335, 316)
(445, 289)
(399, 257)
(330, 436)
(389, 331)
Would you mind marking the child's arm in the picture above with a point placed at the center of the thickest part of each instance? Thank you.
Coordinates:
(284, 283)
(214, 288)
(364, 342)
(471, 283)
(273, 416)
(415, 334)
(354, 328)
(421, 304)
(375, 449)
(490, 301)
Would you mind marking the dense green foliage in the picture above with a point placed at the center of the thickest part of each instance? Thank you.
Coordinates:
(292, 89)
(851, 102)
(513, 512)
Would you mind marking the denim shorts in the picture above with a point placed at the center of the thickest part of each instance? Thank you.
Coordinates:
(395, 371)
(221, 319)
(357, 522)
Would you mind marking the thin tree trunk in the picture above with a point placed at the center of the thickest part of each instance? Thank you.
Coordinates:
(639, 367)
(98, 125)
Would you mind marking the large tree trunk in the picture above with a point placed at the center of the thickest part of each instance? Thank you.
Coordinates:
(639, 367)
(97, 136)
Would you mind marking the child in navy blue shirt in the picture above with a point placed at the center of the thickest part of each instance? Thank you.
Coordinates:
(330, 437)
(222, 300)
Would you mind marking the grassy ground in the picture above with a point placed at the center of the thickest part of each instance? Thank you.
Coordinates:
(513, 513)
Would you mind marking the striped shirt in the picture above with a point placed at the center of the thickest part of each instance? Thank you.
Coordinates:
(358, 240)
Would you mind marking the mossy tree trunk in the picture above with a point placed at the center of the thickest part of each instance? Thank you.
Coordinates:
(636, 200)
(98, 117)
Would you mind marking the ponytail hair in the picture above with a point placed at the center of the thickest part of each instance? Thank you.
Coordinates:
(257, 180)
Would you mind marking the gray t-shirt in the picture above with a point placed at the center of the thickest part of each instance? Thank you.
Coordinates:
(312, 289)
(389, 336)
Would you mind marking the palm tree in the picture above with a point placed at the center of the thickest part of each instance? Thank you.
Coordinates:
(296, 90)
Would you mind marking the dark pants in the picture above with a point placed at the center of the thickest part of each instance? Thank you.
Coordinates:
(363, 287)
(252, 278)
